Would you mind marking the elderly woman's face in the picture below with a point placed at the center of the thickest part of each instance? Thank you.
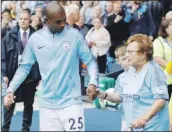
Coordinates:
(133, 54)
(169, 29)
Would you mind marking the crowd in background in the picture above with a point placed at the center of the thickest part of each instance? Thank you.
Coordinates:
(104, 24)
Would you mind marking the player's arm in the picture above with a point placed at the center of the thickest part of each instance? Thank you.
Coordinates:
(91, 63)
(25, 65)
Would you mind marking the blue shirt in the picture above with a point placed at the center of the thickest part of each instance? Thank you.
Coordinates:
(58, 59)
(139, 91)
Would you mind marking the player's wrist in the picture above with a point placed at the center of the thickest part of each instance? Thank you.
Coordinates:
(147, 117)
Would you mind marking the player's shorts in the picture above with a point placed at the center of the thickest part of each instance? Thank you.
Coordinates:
(66, 119)
(124, 126)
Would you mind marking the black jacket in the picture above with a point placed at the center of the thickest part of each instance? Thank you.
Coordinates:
(4, 31)
(156, 10)
(118, 31)
(9, 55)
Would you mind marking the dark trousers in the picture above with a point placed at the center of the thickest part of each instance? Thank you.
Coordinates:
(27, 93)
(102, 63)
(169, 90)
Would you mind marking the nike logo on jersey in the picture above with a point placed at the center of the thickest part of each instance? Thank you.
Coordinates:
(41, 47)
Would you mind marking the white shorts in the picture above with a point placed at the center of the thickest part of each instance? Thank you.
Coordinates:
(66, 119)
(124, 126)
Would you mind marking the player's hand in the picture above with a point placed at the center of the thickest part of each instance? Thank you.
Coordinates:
(92, 92)
(8, 99)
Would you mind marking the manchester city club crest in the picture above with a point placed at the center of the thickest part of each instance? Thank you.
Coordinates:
(66, 45)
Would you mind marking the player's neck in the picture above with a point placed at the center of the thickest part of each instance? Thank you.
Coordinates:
(52, 31)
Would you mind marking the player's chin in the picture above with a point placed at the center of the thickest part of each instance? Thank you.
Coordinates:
(60, 30)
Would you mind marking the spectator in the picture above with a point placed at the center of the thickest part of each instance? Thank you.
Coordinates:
(5, 27)
(38, 11)
(168, 16)
(64, 3)
(13, 45)
(6, 14)
(8, 6)
(156, 11)
(166, 5)
(43, 4)
(127, 3)
(19, 7)
(163, 49)
(36, 22)
(82, 27)
(102, 5)
(31, 5)
(72, 15)
(77, 2)
(140, 19)
(97, 12)
(4, 5)
(87, 12)
(98, 39)
(109, 11)
(117, 27)
(27, 10)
